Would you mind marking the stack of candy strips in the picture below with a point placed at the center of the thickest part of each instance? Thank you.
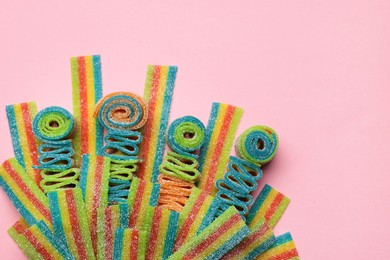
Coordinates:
(96, 184)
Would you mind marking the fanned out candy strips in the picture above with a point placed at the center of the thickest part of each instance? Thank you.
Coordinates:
(214, 155)
(283, 248)
(270, 204)
(158, 92)
(259, 240)
(26, 196)
(84, 193)
(20, 117)
(120, 114)
(54, 127)
(86, 90)
(70, 222)
(215, 240)
(38, 242)
(179, 169)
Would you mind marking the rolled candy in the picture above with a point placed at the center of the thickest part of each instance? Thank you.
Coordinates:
(214, 154)
(259, 240)
(95, 174)
(38, 242)
(129, 244)
(216, 240)
(186, 135)
(270, 204)
(87, 90)
(109, 219)
(24, 193)
(70, 222)
(162, 234)
(197, 214)
(24, 142)
(283, 248)
(158, 91)
(257, 144)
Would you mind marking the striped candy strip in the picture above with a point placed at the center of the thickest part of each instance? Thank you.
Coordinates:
(162, 234)
(24, 193)
(129, 244)
(160, 81)
(197, 214)
(87, 90)
(259, 240)
(142, 194)
(37, 241)
(20, 117)
(215, 240)
(270, 204)
(70, 222)
(109, 219)
(219, 137)
(283, 249)
(95, 174)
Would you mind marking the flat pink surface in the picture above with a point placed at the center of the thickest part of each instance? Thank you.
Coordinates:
(316, 71)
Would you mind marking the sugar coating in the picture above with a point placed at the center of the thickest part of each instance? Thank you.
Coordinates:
(270, 204)
(87, 90)
(219, 137)
(129, 244)
(24, 142)
(24, 193)
(181, 166)
(158, 91)
(283, 248)
(59, 179)
(257, 144)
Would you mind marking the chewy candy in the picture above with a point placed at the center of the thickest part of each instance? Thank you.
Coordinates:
(214, 155)
(160, 81)
(129, 244)
(87, 90)
(283, 248)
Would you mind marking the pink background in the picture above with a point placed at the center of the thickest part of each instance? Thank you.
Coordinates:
(316, 71)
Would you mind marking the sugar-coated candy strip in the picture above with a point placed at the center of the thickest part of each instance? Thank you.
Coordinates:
(70, 222)
(257, 144)
(56, 179)
(186, 135)
(95, 174)
(270, 204)
(181, 166)
(24, 142)
(158, 91)
(217, 239)
(162, 234)
(259, 240)
(214, 154)
(24, 193)
(284, 249)
(38, 241)
(196, 215)
(129, 244)
(87, 90)
(109, 219)
(239, 181)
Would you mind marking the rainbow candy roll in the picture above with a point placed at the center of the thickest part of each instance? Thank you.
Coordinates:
(70, 222)
(109, 219)
(214, 154)
(162, 234)
(24, 193)
(259, 240)
(196, 215)
(283, 248)
(38, 242)
(270, 204)
(257, 144)
(160, 81)
(87, 90)
(217, 239)
(129, 244)
(95, 174)
(20, 117)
